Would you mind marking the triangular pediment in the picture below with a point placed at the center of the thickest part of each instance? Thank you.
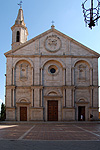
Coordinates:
(52, 42)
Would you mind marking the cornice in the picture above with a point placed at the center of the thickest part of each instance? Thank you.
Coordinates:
(24, 103)
(10, 86)
(37, 108)
(50, 56)
(68, 87)
(93, 107)
(37, 86)
(18, 25)
(58, 96)
(41, 87)
(11, 108)
(23, 87)
(69, 108)
(86, 87)
(82, 102)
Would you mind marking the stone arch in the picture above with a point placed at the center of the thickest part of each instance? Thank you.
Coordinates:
(58, 61)
(82, 100)
(53, 91)
(23, 99)
(23, 59)
(82, 60)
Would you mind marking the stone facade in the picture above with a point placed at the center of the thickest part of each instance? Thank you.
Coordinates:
(51, 67)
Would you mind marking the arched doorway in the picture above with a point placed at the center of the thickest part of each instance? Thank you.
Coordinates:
(23, 106)
(52, 110)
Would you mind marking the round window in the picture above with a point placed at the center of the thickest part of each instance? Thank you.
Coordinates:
(52, 70)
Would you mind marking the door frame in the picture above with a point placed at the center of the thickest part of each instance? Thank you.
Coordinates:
(48, 110)
(46, 99)
(18, 105)
(20, 113)
(80, 113)
(86, 104)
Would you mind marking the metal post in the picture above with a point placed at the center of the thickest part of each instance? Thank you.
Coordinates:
(91, 10)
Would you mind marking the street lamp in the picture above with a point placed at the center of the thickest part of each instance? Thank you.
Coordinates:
(91, 15)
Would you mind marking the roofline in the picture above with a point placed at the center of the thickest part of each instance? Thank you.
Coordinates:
(58, 32)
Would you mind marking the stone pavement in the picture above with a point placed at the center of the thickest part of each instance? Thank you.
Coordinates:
(36, 136)
(49, 145)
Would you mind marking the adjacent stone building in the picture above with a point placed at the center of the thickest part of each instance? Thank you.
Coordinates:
(51, 77)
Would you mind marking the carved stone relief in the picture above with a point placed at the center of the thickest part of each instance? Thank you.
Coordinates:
(82, 72)
(24, 72)
(52, 43)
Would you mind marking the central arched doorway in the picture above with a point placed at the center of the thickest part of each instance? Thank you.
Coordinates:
(52, 110)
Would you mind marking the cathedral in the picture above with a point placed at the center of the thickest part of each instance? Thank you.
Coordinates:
(51, 77)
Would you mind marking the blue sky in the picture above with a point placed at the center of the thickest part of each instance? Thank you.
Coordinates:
(38, 15)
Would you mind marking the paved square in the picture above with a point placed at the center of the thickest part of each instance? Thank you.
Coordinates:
(51, 132)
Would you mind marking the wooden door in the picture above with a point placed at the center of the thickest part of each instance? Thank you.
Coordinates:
(52, 110)
(23, 113)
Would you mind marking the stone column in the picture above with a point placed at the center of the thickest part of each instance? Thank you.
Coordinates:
(37, 71)
(41, 98)
(13, 97)
(41, 70)
(36, 97)
(72, 78)
(91, 97)
(91, 76)
(64, 76)
(32, 75)
(73, 97)
(64, 97)
(13, 75)
(32, 100)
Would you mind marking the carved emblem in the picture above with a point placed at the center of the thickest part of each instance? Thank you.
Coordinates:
(82, 71)
(53, 43)
(23, 72)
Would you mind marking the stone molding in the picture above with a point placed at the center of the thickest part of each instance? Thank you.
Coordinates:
(10, 86)
(53, 56)
(51, 96)
(37, 86)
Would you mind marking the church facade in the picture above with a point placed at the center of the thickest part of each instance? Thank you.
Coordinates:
(51, 77)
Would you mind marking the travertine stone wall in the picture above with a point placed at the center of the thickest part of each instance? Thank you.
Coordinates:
(30, 81)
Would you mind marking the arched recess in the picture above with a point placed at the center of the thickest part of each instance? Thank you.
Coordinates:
(58, 61)
(82, 72)
(23, 59)
(23, 100)
(80, 60)
(53, 73)
(53, 91)
(23, 72)
(82, 100)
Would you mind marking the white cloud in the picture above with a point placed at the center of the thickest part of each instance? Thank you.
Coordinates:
(1, 101)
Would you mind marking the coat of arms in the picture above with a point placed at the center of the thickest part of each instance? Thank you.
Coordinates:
(53, 43)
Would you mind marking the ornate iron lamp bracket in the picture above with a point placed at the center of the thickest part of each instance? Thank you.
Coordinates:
(91, 15)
